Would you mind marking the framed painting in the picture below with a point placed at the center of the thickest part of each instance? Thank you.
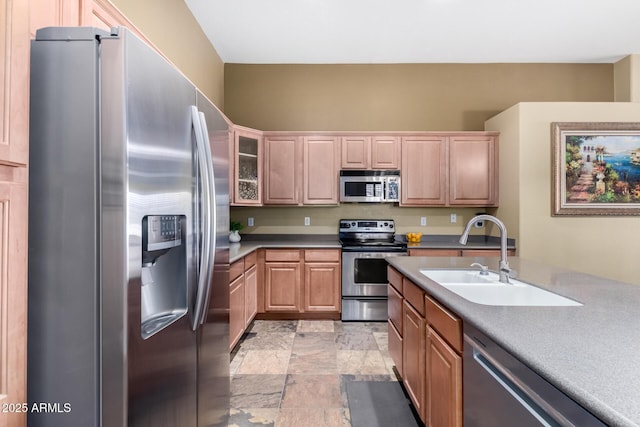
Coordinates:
(596, 168)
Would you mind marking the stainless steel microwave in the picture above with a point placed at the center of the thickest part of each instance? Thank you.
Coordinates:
(370, 186)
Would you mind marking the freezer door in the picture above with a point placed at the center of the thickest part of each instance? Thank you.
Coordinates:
(147, 171)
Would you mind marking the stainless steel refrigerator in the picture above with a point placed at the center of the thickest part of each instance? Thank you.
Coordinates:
(128, 238)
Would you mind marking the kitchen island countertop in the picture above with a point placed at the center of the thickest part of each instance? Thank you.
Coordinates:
(590, 352)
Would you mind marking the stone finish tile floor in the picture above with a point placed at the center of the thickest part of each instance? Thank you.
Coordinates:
(294, 373)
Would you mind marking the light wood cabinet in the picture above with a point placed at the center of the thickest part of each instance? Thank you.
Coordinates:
(423, 171)
(444, 383)
(443, 366)
(473, 170)
(321, 170)
(282, 170)
(385, 152)
(250, 295)
(243, 296)
(236, 310)
(14, 75)
(14, 157)
(13, 291)
(246, 167)
(413, 356)
(370, 152)
(322, 281)
(297, 283)
(427, 351)
(282, 281)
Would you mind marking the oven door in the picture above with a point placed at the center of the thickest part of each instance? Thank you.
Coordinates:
(364, 273)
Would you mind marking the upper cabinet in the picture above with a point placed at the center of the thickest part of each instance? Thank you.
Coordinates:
(14, 75)
(301, 170)
(423, 171)
(321, 170)
(473, 170)
(370, 152)
(450, 169)
(246, 167)
(282, 162)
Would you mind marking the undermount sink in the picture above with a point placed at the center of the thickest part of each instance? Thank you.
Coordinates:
(488, 290)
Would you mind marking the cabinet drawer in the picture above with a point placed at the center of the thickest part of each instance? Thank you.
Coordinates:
(236, 270)
(394, 308)
(279, 255)
(486, 252)
(394, 278)
(414, 295)
(447, 324)
(250, 260)
(322, 255)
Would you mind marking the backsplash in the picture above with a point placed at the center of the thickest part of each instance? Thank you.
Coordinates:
(324, 220)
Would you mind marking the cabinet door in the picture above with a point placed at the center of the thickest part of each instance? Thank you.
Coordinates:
(355, 152)
(322, 287)
(13, 292)
(250, 295)
(395, 347)
(14, 86)
(413, 356)
(282, 171)
(385, 152)
(247, 167)
(473, 170)
(444, 383)
(424, 171)
(321, 170)
(236, 311)
(282, 287)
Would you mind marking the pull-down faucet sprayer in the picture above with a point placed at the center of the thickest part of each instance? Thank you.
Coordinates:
(504, 264)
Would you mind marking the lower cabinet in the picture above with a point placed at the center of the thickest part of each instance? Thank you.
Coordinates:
(413, 356)
(444, 384)
(425, 343)
(243, 296)
(301, 282)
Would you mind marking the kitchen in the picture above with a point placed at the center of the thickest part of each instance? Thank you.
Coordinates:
(359, 95)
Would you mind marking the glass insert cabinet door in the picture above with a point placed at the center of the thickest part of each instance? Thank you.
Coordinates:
(247, 167)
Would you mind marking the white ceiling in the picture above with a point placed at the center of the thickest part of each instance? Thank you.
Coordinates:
(419, 31)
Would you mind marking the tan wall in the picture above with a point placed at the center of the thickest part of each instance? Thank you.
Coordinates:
(171, 27)
(604, 246)
(400, 96)
(324, 220)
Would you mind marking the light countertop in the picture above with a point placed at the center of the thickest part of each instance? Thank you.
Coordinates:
(590, 352)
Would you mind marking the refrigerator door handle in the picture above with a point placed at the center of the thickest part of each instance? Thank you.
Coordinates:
(212, 217)
(205, 255)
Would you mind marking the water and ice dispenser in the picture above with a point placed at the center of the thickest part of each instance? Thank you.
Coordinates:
(164, 272)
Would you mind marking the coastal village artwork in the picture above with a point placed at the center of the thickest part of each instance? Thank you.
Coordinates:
(597, 168)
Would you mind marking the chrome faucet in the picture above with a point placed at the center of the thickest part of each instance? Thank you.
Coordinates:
(504, 264)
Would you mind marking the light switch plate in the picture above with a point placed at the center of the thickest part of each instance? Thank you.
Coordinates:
(307, 220)
(423, 220)
(454, 218)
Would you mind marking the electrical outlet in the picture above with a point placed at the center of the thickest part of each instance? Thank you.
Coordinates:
(307, 220)
(454, 218)
(250, 221)
(423, 220)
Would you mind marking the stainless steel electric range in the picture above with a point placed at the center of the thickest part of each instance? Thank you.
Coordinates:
(365, 245)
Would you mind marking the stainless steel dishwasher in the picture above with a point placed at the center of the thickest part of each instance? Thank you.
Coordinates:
(499, 390)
